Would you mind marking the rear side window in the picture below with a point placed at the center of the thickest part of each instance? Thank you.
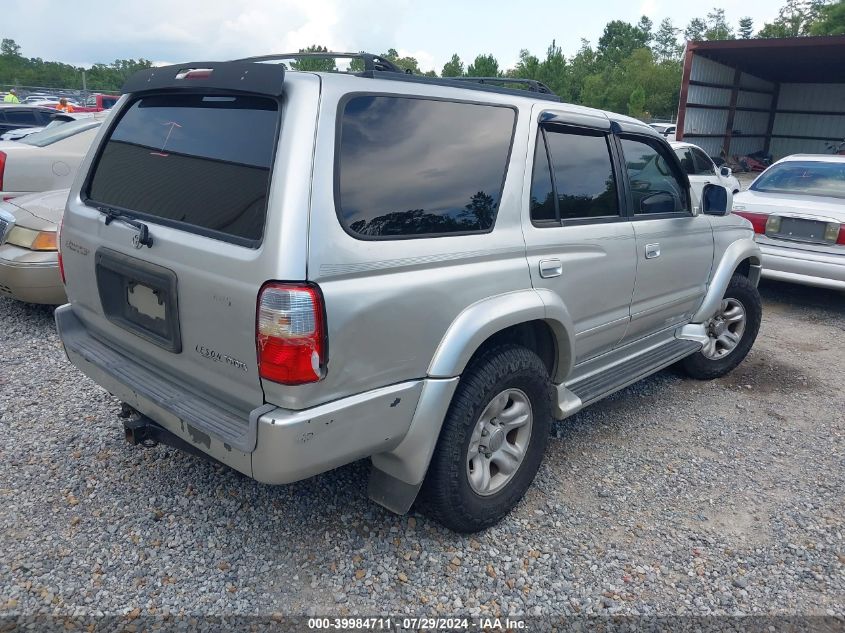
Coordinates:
(198, 162)
(581, 175)
(412, 167)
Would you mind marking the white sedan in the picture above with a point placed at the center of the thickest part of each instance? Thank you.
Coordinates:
(797, 209)
(702, 170)
(45, 160)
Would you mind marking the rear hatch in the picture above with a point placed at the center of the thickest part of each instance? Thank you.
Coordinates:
(164, 248)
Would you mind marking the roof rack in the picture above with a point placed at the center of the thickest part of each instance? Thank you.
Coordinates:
(533, 84)
(378, 67)
(371, 62)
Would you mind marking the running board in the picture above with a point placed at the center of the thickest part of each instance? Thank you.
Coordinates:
(602, 383)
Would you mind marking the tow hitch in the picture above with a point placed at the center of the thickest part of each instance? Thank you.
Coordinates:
(140, 430)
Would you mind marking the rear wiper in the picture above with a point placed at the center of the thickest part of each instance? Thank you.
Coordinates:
(142, 239)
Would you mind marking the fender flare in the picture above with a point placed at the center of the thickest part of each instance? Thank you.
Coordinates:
(736, 253)
(397, 475)
(481, 320)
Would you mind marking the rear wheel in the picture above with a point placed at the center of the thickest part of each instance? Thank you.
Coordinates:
(492, 440)
(731, 332)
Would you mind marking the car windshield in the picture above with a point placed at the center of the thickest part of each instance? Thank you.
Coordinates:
(51, 135)
(812, 178)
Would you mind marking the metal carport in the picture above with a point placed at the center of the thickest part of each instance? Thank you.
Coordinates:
(783, 96)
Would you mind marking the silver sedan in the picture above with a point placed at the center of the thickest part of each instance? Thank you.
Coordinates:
(797, 208)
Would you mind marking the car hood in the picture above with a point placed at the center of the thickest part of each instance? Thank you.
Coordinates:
(39, 211)
(791, 205)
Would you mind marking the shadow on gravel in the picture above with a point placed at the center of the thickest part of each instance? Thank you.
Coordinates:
(34, 312)
(779, 295)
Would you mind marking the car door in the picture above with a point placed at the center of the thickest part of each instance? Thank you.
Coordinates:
(674, 245)
(580, 244)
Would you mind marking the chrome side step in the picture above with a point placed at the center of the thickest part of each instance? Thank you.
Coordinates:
(602, 383)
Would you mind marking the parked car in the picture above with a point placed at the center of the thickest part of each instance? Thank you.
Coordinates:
(29, 259)
(666, 129)
(45, 160)
(461, 264)
(56, 119)
(15, 116)
(701, 169)
(797, 208)
(97, 103)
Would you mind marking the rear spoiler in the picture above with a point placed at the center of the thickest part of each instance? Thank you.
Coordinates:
(239, 76)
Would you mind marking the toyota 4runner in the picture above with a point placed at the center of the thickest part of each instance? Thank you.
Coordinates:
(289, 271)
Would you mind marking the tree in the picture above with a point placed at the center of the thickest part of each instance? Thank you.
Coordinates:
(795, 18)
(405, 63)
(453, 68)
(695, 30)
(619, 40)
(646, 25)
(318, 64)
(636, 103)
(665, 46)
(583, 65)
(717, 26)
(553, 71)
(831, 20)
(484, 66)
(9, 48)
(746, 28)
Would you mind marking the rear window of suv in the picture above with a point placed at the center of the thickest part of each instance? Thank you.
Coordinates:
(412, 167)
(198, 162)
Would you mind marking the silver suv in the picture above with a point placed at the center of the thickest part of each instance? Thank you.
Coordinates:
(289, 271)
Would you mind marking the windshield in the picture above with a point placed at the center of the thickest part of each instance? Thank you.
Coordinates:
(812, 178)
(51, 134)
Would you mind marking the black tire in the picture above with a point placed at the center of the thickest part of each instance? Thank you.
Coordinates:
(702, 368)
(447, 494)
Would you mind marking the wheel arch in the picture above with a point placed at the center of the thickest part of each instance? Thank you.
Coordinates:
(740, 254)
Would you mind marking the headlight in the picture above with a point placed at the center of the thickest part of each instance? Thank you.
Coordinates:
(33, 240)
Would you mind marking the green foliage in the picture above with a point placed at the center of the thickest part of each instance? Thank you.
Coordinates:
(453, 68)
(746, 28)
(795, 18)
(695, 30)
(717, 26)
(619, 40)
(405, 63)
(315, 65)
(19, 70)
(831, 20)
(636, 103)
(484, 66)
(665, 42)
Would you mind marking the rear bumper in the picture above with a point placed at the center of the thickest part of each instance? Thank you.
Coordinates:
(276, 445)
(30, 281)
(803, 267)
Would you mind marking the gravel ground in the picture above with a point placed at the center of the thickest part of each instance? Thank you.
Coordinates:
(672, 496)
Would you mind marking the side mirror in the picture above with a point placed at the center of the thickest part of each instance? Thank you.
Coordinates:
(725, 171)
(715, 200)
(660, 202)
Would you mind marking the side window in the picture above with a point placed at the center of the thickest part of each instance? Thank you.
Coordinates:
(685, 156)
(43, 118)
(410, 167)
(654, 187)
(703, 164)
(22, 117)
(580, 182)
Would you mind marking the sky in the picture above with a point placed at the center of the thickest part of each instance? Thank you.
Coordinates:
(84, 32)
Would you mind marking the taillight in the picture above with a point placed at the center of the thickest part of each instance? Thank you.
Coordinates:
(841, 238)
(2, 168)
(758, 220)
(290, 333)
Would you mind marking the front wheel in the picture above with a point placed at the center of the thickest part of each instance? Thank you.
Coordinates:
(730, 332)
(492, 440)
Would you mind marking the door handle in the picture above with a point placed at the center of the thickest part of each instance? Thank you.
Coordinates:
(550, 268)
(652, 251)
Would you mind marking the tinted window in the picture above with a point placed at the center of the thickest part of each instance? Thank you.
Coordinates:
(814, 178)
(23, 117)
(703, 164)
(542, 192)
(200, 161)
(583, 174)
(687, 163)
(654, 186)
(413, 167)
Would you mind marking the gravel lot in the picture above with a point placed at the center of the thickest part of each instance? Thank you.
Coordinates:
(672, 496)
